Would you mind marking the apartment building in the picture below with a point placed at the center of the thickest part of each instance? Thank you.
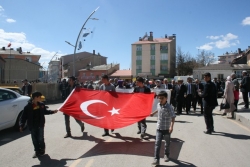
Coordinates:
(154, 57)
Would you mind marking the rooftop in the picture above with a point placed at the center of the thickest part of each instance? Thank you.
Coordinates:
(101, 67)
(8, 51)
(225, 67)
(120, 73)
(155, 40)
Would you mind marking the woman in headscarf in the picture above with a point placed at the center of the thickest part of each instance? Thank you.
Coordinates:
(229, 96)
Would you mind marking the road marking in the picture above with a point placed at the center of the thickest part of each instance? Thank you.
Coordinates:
(76, 162)
(109, 139)
(90, 162)
(234, 121)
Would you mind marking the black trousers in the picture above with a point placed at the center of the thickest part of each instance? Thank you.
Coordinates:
(179, 107)
(208, 116)
(246, 99)
(142, 126)
(198, 100)
(189, 99)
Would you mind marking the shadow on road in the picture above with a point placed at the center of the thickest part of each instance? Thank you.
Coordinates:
(86, 137)
(182, 122)
(9, 135)
(46, 161)
(234, 136)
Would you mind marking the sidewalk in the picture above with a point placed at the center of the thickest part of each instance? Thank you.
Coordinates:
(242, 115)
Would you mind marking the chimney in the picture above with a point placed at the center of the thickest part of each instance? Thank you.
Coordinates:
(140, 39)
(239, 50)
(3, 48)
(248, 47)
(93, 52)
(166, 36)
(151, 38)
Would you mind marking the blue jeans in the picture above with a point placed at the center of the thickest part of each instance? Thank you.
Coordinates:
(162, 134)
(37, 135)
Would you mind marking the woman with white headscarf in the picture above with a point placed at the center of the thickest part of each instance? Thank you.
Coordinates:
(229, 96)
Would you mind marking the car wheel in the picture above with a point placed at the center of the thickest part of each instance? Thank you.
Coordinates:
(17, 127)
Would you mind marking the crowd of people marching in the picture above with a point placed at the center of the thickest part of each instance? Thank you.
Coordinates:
(183, 97)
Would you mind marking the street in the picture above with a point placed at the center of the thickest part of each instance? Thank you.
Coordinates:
(229, 146)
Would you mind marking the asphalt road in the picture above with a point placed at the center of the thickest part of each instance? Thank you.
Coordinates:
(228, 147)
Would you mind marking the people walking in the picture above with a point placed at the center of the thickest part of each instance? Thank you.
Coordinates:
(245, 88)
(70, 88)
(165, 124)
(229, 96)
(236, 91)
(26, 88)
(106, 86)
(190, 94)
(210, 102)
(33, 114)
(199, 88)
(62, 87)
(141, 88)
(180, 90)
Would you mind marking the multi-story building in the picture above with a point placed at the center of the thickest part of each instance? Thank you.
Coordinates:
(82, 60)
(154, 57)
(54, 71)
(20, 65)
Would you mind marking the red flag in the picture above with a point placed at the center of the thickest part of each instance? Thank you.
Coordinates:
(110, 110)
(9, 45)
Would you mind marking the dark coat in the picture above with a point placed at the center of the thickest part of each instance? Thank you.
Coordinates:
(210, 95)
(179, 92)
(29, 89)
(245, 84)
(146, 89)
(193, 89)
(28, 114)
(169, 86)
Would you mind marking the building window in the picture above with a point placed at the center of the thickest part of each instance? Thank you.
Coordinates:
(139, 57)
(164, 67)
(102, 74)
(152, 57)
(138, 67)
(152, 47)
(152, 67)
(164, 56)
(138, 47)
(91, 74)
(163, 48)
(220, 76)
(83, 74)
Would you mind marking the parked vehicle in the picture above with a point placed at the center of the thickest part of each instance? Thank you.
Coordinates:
(11, 108)
(19, 90)
(184, 78)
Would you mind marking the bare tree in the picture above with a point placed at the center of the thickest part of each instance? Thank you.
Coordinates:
(185, 63)
(205, 58)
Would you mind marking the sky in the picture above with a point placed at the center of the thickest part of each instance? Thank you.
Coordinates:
(42, 26)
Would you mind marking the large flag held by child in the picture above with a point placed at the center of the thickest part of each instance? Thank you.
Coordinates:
(110, 110)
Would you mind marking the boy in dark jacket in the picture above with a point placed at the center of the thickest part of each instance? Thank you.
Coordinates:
(34, 113)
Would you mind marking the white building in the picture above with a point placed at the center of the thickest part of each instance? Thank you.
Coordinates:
(220, 71)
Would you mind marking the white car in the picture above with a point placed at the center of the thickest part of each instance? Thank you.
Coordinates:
(11, 108)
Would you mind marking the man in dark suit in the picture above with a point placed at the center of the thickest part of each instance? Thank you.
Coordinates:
(172, 100)
(190, 94)
(141, 88)
(210, 102)
(199, 88)
(180, 89)
(245, 88)
(166, 84)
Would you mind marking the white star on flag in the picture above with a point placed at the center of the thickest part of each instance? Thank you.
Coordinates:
(114, 111)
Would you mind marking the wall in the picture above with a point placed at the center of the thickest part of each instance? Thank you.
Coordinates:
(214, 73)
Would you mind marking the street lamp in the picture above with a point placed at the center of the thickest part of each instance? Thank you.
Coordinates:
(79, 37)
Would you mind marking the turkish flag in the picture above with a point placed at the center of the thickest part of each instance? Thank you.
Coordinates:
(110, 110)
